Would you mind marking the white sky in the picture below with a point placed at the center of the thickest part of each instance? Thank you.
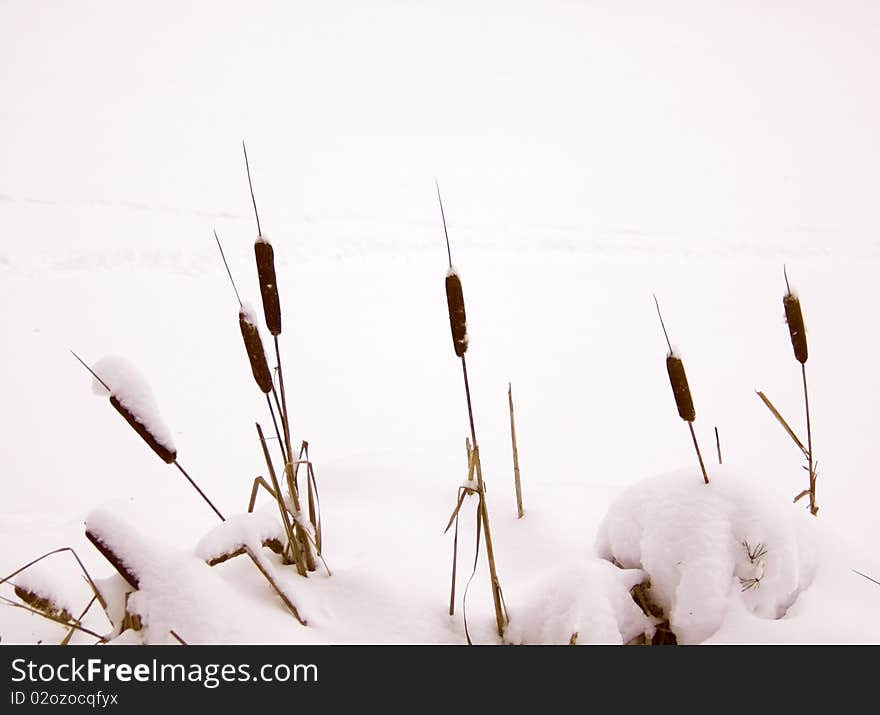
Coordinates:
(701, 116)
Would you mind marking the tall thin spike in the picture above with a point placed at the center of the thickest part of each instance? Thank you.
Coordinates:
(231, 279)
(663, 325)
(91, 371)
(251, 186)
(443, 215)
(785, 273)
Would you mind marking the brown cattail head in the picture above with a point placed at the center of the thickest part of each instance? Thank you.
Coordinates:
(108, 553)
(43, 604)
(795, 320)
(457, 318)
(268, 286)
(680, 389)
(165, 454)
(254, 347)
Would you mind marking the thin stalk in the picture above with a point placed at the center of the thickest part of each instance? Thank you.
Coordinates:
(699, 456)
(274, 584)
(519, 506)
(12, 603)
(78, 621)
(196, 486)
(251, 187)
(484, 510)
(285, 518)
(813, 508)
(277, 433)
(288, 465)
(500, 619)
(718, 445)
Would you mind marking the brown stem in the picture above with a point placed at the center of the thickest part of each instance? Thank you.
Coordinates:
(813, 508)
(519, 506)
(699, 456)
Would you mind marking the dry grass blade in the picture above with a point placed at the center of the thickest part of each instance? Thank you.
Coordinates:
(66, 624)
(293, 545)
(782, 421)
(82, 567)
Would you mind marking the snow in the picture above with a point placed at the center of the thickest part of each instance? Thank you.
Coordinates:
(248, 313)
(672, 169)
(42, 580)
(133, 391)
(241, 530)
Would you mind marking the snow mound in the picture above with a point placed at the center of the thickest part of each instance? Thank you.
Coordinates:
(705, 547)
(588, 603)
(176, 590)
(133, 392)
(239, 530)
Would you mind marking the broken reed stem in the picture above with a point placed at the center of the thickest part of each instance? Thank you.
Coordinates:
(292, 541)
(699, 456)
(274, 584)
(519, 506)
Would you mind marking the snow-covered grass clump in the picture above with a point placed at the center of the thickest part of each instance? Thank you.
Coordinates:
(705, 547)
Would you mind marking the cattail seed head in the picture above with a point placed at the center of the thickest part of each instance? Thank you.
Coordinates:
(107, 552)
(265, 255)
(254, 347)
(165, 454)
(795, 320)
(457, 318)
(680, 389)
(43, 604)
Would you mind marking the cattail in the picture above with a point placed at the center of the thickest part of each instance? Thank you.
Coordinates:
(457, 318)
(166, 455)
(254, 347)
(795, 320)
(108, 553)
(43, 604)
(680, 389)
(265, 256)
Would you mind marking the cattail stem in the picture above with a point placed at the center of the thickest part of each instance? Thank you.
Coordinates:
(500, 618)
(285, 422)
(699, 456)
(467, 392)
(718, 445)
(519, 506)
(201, 493)
(813, 508)
(285, 517)
(275, 425)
